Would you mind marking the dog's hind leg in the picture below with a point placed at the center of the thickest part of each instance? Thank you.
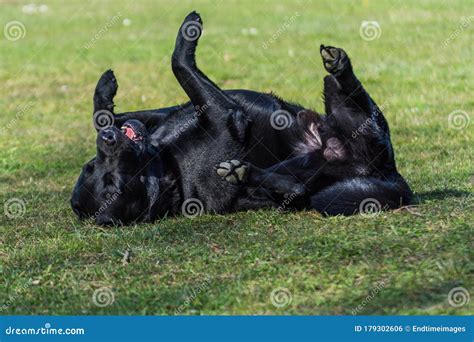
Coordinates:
(202, 92)
(343, 88)
(352, 112)
(361, 195)
(337, 63)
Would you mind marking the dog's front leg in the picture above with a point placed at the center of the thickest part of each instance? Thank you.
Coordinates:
(104, 115)
(203, 93)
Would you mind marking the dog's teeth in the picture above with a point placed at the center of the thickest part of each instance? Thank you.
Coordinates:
(235, 162)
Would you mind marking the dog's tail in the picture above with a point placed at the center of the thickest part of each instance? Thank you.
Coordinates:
(362, 195)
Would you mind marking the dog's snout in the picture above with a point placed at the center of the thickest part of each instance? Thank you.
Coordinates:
(108, 136)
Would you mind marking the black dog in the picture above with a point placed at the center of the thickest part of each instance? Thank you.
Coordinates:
(141, 179)
(160, 161)
(346, 160)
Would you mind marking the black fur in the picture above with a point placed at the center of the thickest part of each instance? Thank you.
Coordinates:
(141, 180)
(345, 157)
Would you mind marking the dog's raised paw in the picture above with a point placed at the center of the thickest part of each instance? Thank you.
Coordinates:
(191, 29)
(107, 85)
(193, 16)
(232, 171)
(105, 92)
(334, 59)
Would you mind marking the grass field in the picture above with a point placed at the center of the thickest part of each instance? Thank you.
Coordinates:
(418, 65)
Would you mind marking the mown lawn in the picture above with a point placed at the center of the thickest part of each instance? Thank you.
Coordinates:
(405, 262)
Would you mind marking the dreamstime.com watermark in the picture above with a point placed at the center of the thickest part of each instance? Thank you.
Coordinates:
(103, 297)
(198, 111)
(46, 330)
(110, 198)
(14, 208)
(194, 293)
(288, 199)
(192, 30)
(458, 119)
(369, 122)
(14, 30)
(192, 207)
(370, 30)
(285, 26)
(281, 297)
(21, 110)
(458, 297)
(16, 294)
(370, 207)
(103, 119)
(461, 27)
(380, 285)
(111, 22)
(281, 119)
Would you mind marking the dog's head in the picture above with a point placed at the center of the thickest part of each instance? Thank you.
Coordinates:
(121, 184)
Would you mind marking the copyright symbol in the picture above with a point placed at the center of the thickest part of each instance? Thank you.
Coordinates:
(407, 328)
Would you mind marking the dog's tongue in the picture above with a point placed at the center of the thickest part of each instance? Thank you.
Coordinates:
(130, 133)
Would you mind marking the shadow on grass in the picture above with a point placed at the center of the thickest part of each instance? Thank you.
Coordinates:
(437, 195)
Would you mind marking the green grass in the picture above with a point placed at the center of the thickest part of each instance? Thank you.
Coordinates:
(52, 264)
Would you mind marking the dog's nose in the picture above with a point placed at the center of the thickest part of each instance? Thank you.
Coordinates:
(108, 136)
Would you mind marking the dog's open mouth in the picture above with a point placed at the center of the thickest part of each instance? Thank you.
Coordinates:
(131, 133)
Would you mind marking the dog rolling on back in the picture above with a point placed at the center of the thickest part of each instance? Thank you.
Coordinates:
(344, 159)
(222, 152)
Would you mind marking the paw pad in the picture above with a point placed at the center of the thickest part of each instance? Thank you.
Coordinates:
(334, 59)
(232, 171)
